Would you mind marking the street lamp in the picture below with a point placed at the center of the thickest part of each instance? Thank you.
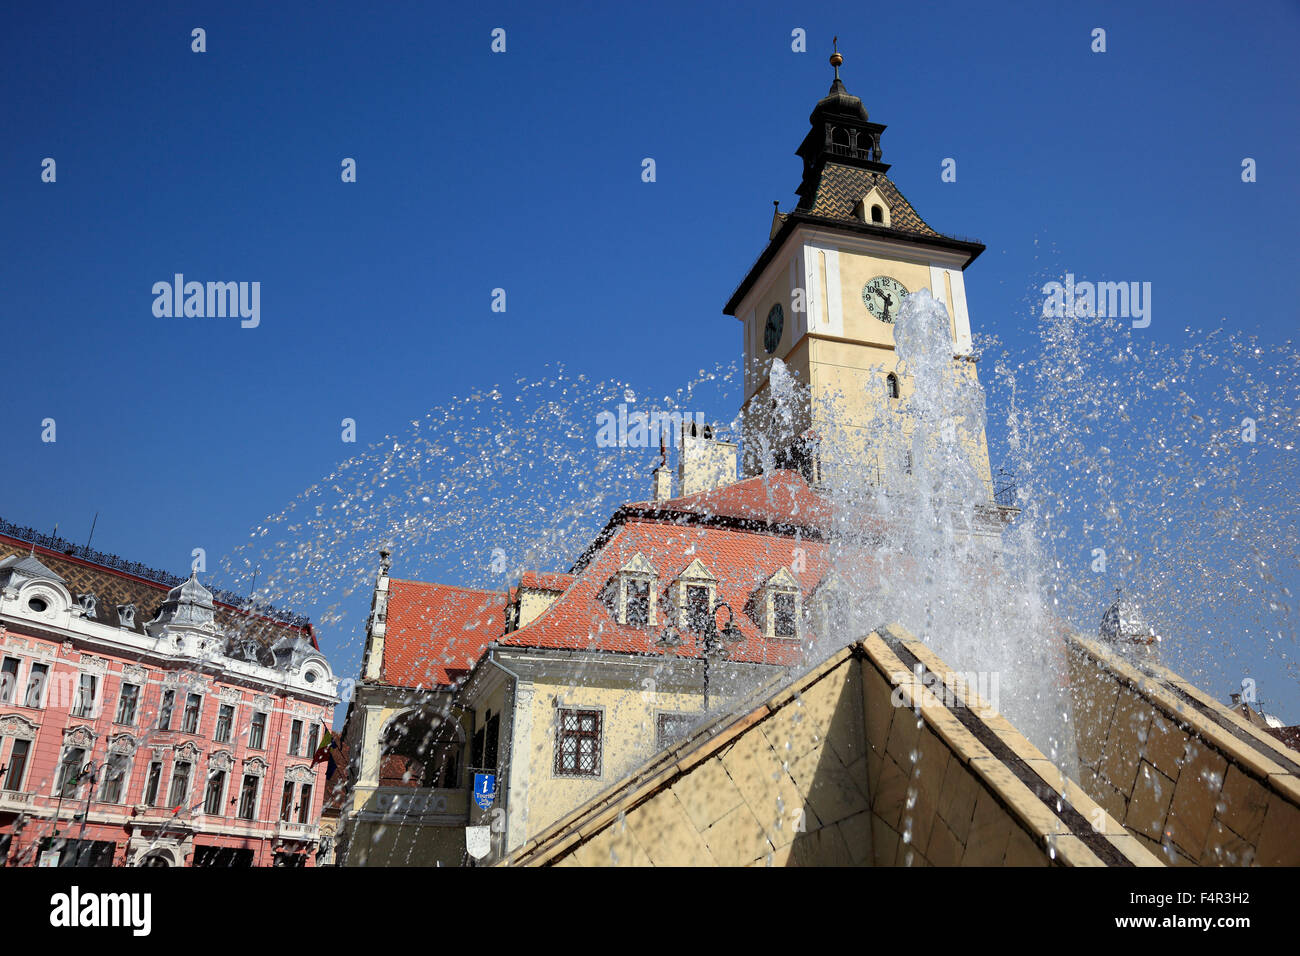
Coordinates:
(712, 643)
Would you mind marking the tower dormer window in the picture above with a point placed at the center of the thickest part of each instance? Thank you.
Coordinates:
(126, 615)
(631, 593)
(873, 208)
(87, 603)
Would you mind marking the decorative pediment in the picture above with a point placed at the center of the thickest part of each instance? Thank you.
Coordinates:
(79, 736)
(783, 580)
(697, 572)
(134, 674)
(121, 744)
(262, 702)
(229, 695)
(256, 766)
(300, 773)
(14, 725)
(187, 751)
(639, 565)
(221, 760)
(91, 664)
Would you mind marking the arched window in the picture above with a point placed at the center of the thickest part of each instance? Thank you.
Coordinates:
(877, 214)
(891, 385)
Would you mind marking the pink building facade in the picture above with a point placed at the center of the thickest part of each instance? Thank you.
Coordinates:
(148, 726)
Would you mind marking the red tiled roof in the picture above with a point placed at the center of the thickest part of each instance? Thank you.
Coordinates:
(435, 632)
(545, 581)
(743, 534)
(742, 561)
(780, 498)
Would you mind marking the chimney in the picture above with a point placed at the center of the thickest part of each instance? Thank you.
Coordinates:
(663, 483)
(703, 462)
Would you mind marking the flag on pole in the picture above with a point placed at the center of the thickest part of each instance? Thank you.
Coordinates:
(323, 751)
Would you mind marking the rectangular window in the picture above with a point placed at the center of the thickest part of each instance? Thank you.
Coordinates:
(8, 680)
(17, 764)
(476, 746)
(84, 706)
(193, 706)
(70, 772)
(180, 792)
(127, 702)
(638, 602)
(577, 747)
(783, 615)
(295, 738)
(225, 719)
(212, 795)
(257, 731)
(304, 804)
(313, 740)
(152, 784)
(36, 678)
(116, 775)
(248, 798)
(697, 608)
(286, 802)
(165, 710)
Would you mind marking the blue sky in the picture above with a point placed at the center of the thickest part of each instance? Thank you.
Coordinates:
(521, 170)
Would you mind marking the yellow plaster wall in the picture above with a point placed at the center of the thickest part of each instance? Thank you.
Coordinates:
(532, 602)
(628, 730)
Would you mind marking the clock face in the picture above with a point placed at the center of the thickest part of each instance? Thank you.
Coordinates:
(883, 296)
(775, 323)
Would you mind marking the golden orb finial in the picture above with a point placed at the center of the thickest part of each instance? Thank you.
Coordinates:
(836, 59)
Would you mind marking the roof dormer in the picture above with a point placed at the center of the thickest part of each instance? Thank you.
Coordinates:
(873, 208)
(631, 593)
(693, 596)
(828, 605)
(778, 607)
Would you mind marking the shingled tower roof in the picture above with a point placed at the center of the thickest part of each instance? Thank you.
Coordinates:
(842, 164)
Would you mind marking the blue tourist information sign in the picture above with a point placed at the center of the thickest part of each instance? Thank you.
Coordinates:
(485, 789)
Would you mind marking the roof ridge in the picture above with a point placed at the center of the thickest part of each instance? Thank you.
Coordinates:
(451, 587)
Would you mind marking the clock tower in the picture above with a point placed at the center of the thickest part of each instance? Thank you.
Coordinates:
(823, 298)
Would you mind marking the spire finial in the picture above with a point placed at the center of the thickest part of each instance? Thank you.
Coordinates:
(836, 59)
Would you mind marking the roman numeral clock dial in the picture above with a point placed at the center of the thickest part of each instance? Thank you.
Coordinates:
(883, 296)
